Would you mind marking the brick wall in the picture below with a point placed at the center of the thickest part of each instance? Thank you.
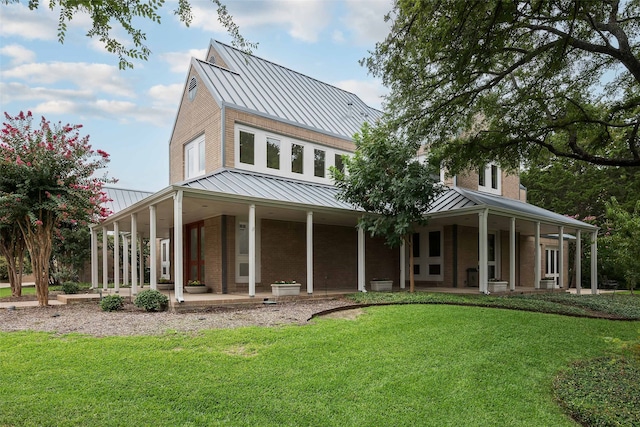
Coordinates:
(202, 115)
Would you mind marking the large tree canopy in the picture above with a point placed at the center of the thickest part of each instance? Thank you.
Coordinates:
(126, 15)
(486, 80)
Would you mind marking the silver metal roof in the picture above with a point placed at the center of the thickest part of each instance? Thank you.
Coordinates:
(270, 188)
(121, 198)
(262, 87)
(258, 186)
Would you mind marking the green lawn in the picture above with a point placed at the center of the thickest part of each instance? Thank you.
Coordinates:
(406, 365)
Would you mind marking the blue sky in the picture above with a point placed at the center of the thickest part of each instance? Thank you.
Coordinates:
(130, 114)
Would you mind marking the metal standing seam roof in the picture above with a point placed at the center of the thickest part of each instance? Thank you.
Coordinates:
(271, 188)
(121, 198)
(254, 84)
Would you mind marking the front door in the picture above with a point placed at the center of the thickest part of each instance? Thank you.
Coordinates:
(551, 263)
(165, 263)
(194, 252)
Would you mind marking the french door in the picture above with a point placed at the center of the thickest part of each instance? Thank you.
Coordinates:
(194, 252)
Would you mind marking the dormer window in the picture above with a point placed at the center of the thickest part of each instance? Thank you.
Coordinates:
(489, 179)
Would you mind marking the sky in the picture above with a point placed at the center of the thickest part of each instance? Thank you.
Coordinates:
(130, 113)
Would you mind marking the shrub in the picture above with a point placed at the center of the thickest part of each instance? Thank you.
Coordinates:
(112, 303)
(70, 287)
(152, 300)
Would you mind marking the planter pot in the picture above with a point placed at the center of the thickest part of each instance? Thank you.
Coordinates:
(196, 289)
(165, 286)
(381, 285)
(547, 284)
(285, 289)
(498, 286)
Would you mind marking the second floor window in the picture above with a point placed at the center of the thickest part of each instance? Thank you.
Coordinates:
(247, 148)
(194, 158)
(297, 158)
(318, 163)
(273, 153)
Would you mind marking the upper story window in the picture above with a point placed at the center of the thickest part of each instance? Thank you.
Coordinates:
(194, 158)
(247, 148)
(489, 179)
(318, 163)
(265, 152)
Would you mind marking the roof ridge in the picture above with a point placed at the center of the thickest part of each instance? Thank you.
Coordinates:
(126, 189)
(295, 72)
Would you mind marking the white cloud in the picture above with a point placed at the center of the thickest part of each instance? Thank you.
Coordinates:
(18, 53)
(365, 20)
(95, 77)
(179, 61)
(370, 91)
(304, 19)
(166, 95)
(338, 36)
(18, 20)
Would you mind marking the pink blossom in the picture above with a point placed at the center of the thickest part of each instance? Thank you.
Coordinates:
(38, 222)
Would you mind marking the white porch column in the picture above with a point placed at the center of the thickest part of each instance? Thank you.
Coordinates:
(116, 257)
(94, 258)
(361, 260)
(578, 262)
(141, 266)
(536, 258)
(512, 254)
(125, 260)
(403, 272)
(134, 254)
(309, 252)
(560, 265)
(105, 259)
(153, 257)
(178, 254)
(252, 250)
(594, 262)
(483, 247)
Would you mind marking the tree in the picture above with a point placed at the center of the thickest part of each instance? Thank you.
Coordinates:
(12, 249)
(483, 80)
(621, 243)
(123, 13)
(387, 181)
(47, 179)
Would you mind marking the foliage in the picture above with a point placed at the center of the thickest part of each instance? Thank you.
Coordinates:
(585, 390)
(112, 303)
(4, 269)
(70, 287)
(621, 243)
(386, 180)
(609, 306)
(494, 80)
(152, 300)
(129, 16)
(458, 366)
(12, 248)
(47, 180)
(71, 251)
(194, 283)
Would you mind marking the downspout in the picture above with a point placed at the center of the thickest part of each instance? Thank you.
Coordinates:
(223, 249)
(222, 135)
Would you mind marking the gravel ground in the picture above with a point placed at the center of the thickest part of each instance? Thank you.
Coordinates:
(89, 319)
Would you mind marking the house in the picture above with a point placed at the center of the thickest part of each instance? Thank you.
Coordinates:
(250, 200)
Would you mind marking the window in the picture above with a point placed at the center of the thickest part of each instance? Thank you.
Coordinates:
(416, 245)
(297, 158)
(318, 163)
(427, 255)
(339, 162)
(273, 153)
(551, 263)
(434, 243)
(195, 252)
(247, 148)
(481, 173)
(494, 177)
(194, 158)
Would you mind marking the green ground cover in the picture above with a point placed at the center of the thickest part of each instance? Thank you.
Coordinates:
(402, 365)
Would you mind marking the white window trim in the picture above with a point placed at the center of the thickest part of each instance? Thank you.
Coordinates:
(260, 155)
(424, 260)
(487, 180)
(194, 144)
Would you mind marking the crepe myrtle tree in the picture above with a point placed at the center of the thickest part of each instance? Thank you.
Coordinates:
(386, 179)
(48, 179)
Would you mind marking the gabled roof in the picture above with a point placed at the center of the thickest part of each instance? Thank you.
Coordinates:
(121, 198)
(259, 86)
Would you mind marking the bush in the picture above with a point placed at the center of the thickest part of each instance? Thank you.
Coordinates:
(112, 303)
(152, 300)
(70, 288)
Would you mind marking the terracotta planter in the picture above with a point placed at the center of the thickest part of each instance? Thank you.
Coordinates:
(381, 285)
(285, 289)
(196, 289)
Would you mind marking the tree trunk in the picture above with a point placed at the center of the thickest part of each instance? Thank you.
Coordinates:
(12, 248)
(38, 242)
(412, 288)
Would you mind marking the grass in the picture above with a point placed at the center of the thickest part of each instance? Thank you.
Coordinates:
(31, 290)
(401, 365)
